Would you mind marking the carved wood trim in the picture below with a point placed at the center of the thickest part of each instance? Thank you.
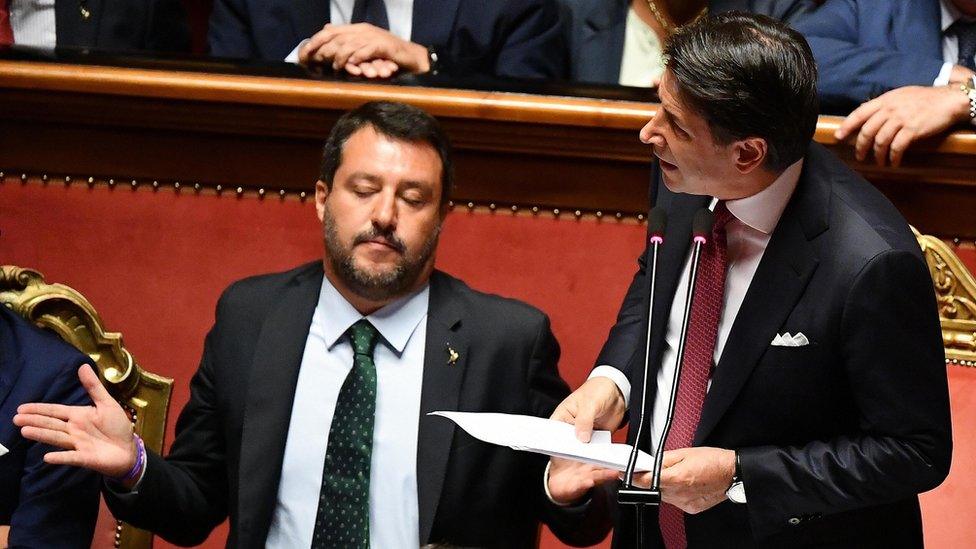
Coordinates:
(955, 290)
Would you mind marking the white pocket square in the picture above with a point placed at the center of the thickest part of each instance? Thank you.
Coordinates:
(2, 450)
(787, 340)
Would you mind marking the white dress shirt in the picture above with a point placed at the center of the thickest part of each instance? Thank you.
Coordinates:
(33, 23)
(748, 233)
(399, 358)
(399, 14)
(950, 42)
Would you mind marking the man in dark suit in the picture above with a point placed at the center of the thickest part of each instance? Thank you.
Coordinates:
(512, 38)
(310, 405)
(812, 406)
(41, 505)
(111, 25)
(901, 65)
(596, 29)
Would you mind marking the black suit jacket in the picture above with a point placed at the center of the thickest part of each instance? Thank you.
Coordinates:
(121, 25)
(517, 38)
(836, 438)
(229, 447)
(45, 505)
(595, 30)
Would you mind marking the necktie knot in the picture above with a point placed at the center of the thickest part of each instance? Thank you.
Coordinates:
(722, 218)
(363, 336)
(965, 32)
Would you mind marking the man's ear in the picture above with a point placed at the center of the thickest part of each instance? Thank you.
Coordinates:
(749, 154)
(321, 193)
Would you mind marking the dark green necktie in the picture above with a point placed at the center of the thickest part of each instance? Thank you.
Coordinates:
(342, 520)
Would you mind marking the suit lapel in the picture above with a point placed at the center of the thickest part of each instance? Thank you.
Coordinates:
(602, 42)
(921, 27)
(783, 273)
(72, 28)
(441, 391)
(433, 21)
(270, 395)
(307, 18)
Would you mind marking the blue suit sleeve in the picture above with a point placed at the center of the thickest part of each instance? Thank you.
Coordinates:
(851, 73)
(58, 505)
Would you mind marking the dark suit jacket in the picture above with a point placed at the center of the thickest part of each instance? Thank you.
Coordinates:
(867, 47)
(517, 38)
(45, 505)
(236, 423)
(836, 438)
(120, 25)
(595, 31)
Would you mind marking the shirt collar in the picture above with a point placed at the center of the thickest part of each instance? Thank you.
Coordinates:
(396, 321)
(950, 14)
(762, 210)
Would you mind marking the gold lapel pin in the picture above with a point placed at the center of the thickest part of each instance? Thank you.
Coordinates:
(452, 355)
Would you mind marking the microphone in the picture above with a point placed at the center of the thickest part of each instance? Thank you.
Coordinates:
(701, 230)
(629, 495)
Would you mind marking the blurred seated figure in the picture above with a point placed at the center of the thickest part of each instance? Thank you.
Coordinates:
(377, 38)
(115, 25)
(909, 65)
(41, 505)
(620, 41)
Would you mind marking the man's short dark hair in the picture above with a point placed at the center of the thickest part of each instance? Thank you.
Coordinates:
(748, 76)
(394, 120)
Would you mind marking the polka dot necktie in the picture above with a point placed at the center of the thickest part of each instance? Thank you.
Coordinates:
(965, 31)
(342, 520)
(696, 366)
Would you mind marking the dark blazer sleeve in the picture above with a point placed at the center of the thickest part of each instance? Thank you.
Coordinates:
(892, 359)
(191, 483)
(580, 525)
(787, 11)
(849, 73)
(57, 505)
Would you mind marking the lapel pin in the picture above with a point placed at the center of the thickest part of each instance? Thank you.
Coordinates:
(452, 355)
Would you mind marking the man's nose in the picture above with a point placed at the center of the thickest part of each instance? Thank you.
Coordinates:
(385, 211)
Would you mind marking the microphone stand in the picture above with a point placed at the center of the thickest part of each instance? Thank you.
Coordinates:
(628, 494)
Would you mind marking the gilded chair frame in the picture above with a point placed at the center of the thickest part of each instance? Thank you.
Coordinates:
(955, 291)
(67, 313)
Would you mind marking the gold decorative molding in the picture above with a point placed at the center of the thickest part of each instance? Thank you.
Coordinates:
(67, 313)
(955, 290)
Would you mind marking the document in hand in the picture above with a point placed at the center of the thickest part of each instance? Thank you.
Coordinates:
(547, 436)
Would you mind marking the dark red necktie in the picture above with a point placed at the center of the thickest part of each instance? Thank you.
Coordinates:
(6, 31)
(706, 310)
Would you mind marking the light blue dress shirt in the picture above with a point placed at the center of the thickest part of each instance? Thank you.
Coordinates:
(399, 357)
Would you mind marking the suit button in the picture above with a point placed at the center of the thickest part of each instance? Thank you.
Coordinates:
(794, 521)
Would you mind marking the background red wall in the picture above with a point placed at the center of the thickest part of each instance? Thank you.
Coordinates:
(154, 262)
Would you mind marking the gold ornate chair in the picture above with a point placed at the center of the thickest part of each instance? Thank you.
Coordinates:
(66, 312)
(955, 289)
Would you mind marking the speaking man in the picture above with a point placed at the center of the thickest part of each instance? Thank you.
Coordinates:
(812, 406)
(307, 418)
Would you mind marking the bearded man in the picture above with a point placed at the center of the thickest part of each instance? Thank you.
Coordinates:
(307, 420)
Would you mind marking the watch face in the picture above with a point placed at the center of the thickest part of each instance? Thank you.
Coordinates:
(736, 493)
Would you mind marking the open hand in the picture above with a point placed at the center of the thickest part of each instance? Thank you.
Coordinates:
(891, 122)
(570, 480)
(95, 437)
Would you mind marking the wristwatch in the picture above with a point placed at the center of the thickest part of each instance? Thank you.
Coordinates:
(968, 87)
(737, 491)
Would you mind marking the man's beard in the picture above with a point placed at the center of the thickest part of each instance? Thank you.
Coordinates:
(381, 286)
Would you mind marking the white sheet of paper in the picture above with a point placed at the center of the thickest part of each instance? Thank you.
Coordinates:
(3, 450)
(547, 436)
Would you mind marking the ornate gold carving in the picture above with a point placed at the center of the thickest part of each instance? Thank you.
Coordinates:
(955, 290)
(66, 312)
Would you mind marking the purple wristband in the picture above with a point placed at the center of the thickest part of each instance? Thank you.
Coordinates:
(137, 466)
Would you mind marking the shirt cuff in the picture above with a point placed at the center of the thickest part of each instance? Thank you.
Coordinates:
(944, 74)
(545, 486)
(293, 56)
(616, 376)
